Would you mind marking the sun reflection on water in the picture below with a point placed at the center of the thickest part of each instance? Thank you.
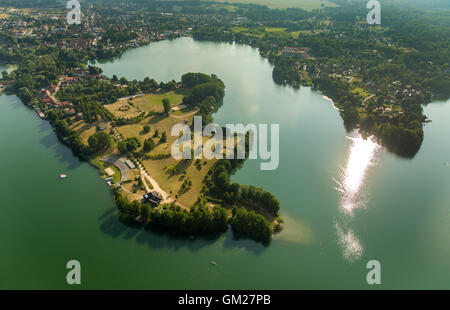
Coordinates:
(362, 155)
(351, 246)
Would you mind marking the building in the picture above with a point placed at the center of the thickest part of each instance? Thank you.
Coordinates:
(62, 105)
(298, 52)
(130, 164)
(153, 197)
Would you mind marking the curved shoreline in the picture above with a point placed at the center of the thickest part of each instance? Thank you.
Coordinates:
(332, 102)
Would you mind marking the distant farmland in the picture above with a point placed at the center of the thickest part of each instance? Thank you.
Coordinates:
(282, 4)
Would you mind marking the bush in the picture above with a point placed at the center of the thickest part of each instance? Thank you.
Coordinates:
(163, 138)
(99, 141)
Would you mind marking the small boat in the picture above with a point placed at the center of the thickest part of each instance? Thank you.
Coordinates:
(213, 263)
(63, 176)
(192, 237)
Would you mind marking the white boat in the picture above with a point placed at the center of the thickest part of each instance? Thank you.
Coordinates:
(63, 176)
(213, 263)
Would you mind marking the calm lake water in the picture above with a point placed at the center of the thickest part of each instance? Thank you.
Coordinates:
(345, 201)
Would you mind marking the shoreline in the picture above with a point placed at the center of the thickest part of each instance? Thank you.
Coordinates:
(331, 101)
(124, 207)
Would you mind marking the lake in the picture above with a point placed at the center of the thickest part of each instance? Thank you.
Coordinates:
(345, 200)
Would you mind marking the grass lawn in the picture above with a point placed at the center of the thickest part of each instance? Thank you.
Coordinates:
(157, 168)
(361, 91)
(116, 176)
(132, 187)
(272, 29)
(295, 34)
(157, 122)
(153, 102)
(121, 108)
(282, 4)
(239, 29)
(84, 136)
(255, 32)
(229, 8)
(172, 183)
(86, 130)
(325, 22)
(78, 125)
(183, 111)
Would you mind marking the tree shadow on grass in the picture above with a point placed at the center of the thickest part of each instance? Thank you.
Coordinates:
(156, 118)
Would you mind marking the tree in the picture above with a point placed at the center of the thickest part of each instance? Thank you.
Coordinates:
(122, 147)
(25, 94)
(248, 224)
(99, 141)
(149, 145)
(190, 79)
(166, 104)
(146, 129)
(163, 138)
(95, 70)
(222, 180)
(171, 169)
(133, 144)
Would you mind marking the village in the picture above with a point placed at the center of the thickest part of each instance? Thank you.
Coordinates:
(25, 26)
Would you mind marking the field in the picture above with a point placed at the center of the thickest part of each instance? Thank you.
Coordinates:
(272, 29)
(157, 122)
(360, 91)
(169, 173)
(171, 183)
(121, 108)
(282, 4)
(153, 102)
(86, 130)
(157, 168)
(229, 8)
